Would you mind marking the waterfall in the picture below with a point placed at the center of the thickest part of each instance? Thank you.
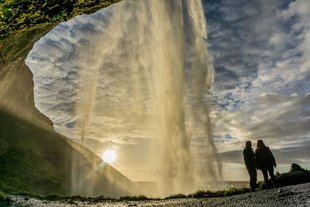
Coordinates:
(137, 69)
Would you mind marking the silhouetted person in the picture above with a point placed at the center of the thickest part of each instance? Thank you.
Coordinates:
(249, 160)
(265, 162)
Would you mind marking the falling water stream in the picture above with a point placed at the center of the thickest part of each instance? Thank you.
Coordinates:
(135, 69)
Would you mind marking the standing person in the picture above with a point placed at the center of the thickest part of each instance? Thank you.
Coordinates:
(249, 161)
(265, 162)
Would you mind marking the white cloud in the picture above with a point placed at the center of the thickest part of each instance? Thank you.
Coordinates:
(282, 121)
(277, 39)
(300, 7)
(268, 99)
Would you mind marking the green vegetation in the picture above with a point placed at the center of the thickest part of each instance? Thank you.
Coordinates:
(175, 196)
(220, 193)
(198, 194)
(4, 200)
(31, 159)
(18, 45)
(56, 197)
(23, 22)
(17, 15)
(296, 175)
(3, 196)
(38, 162)
(135, 198)
(212, 194)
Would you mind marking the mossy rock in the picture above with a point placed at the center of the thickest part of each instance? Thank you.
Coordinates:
(293, 178)
(295, 167)
(296, 175)
(18, 44)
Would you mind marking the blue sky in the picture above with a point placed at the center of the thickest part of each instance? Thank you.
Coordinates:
(260, 51)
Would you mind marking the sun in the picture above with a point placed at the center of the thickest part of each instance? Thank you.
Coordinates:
(109, 156)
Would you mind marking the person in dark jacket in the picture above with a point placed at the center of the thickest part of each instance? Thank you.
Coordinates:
(249, 161)
(265, 162)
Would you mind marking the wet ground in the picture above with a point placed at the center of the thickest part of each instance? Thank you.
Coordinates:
(297, 195)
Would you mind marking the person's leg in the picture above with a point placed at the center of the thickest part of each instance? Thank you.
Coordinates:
(271, 174)
(253, 178)
(265, 174)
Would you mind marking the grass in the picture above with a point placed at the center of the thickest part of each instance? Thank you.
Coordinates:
(176, 196)
(198, 194)
(57, 197)
(31, 158)
(4, 200)
(212, 194)
(135, 198)
(38, 163)
(3, 196)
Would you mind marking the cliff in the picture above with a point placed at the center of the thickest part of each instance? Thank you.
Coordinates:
(33, 158)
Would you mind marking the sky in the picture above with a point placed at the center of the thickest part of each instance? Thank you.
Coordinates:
(260, 51)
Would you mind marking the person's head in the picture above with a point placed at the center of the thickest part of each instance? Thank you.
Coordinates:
(260, 144)
(248, 144)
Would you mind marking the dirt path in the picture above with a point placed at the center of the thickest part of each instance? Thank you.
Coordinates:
(297, 195)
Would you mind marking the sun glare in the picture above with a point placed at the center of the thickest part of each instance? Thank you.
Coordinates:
(109, 156)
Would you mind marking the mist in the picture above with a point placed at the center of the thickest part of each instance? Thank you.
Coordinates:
(137, 70)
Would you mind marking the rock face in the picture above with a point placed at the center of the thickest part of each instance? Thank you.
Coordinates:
(16, 93)
(35, 159)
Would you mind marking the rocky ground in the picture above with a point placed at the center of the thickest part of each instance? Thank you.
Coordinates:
(297, 195)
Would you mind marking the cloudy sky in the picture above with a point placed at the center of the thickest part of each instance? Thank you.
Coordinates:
(92, 79)
(260, 51)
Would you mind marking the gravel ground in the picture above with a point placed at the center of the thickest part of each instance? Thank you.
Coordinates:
(297, 195)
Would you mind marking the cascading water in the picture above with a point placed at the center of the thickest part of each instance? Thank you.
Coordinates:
(136, 69)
